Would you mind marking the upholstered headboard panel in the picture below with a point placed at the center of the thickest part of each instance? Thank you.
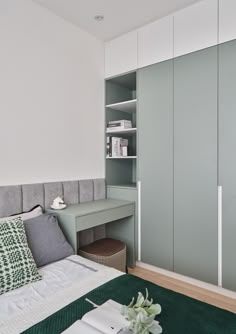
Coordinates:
(19, 198)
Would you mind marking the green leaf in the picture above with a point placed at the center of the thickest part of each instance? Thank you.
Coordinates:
(140, 300)
(154, 309)
(155, 328)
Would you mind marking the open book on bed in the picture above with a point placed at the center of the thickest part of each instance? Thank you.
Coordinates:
(105, 319)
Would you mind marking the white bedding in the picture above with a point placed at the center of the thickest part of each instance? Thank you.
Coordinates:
(63, 282)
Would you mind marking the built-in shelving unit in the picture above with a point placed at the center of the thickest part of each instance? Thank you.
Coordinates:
(120, 105)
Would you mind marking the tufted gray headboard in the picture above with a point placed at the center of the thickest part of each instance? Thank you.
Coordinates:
(20, 198)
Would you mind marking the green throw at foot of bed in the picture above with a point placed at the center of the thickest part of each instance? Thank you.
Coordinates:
(180, 314)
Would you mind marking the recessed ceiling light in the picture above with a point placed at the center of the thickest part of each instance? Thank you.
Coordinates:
(99, 18)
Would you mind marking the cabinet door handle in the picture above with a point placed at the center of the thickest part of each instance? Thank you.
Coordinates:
(139, 220)
(220, 235)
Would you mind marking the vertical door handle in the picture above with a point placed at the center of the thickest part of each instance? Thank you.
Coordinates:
(139, 220)
(220, 235)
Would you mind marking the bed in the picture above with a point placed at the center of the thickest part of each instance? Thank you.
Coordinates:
(54, 303)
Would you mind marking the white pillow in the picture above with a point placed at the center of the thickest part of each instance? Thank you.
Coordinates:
(35, 212)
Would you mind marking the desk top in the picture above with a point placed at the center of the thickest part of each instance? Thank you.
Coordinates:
(82, 209)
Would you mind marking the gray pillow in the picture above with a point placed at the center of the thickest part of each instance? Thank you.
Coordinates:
(46, 240)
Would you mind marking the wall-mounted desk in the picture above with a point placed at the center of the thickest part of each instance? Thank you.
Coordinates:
(118, 215)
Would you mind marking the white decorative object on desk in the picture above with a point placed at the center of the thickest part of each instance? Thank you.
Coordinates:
(58, 204)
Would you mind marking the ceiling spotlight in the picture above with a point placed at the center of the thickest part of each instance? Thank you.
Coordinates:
(99, 18)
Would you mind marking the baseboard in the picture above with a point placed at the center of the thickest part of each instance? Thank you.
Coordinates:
(186, 279)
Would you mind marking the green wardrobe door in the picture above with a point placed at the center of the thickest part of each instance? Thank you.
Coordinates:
(155, 167)
(195, 165)
(227, 153)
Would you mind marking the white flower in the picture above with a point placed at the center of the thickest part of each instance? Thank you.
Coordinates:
(141, 315)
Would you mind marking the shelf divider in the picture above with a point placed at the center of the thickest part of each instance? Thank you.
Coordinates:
(128, 157)
(129, 131)
(127, 106)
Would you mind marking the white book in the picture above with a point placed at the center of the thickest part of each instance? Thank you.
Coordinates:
(124, 121)
(124, 151)
(123, 124)
(115, 147)
(105, 319)
(124, 147)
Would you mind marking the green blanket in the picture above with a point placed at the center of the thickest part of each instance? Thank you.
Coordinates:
(180, 314)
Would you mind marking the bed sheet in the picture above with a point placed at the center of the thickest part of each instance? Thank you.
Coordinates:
(58, 277)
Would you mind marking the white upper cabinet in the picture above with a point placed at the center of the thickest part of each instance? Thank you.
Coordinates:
(121, 54)
(227, 20)
(196, 27)
(156, 42)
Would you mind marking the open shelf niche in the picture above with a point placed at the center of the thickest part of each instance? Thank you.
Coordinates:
(121, 104)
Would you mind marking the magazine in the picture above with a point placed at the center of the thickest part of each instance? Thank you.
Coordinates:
(105, 319)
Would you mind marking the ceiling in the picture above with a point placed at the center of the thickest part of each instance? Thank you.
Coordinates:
(120, 16)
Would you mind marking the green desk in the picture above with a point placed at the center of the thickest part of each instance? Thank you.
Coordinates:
(118, 216)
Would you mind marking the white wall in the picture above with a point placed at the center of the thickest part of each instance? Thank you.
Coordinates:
(51, 97)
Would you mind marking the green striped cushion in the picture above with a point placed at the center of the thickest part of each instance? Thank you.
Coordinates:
(17, 265)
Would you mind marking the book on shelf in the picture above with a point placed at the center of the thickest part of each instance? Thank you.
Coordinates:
(117, 147)
(109, 152)
(124, 147)
(105, 319)
(122, 124)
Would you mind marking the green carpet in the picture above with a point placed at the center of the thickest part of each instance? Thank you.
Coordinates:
(180, 314)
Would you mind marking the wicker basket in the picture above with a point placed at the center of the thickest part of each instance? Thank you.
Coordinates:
(109, 252)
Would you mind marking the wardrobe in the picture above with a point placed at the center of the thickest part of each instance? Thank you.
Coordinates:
(182, 168)
(186, 148)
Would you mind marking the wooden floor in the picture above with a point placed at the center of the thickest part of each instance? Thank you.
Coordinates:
(186, 289)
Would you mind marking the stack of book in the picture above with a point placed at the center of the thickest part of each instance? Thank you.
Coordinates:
(117, 147)
(119, 125)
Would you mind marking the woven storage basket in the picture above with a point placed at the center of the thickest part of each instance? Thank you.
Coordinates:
(110, 252)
